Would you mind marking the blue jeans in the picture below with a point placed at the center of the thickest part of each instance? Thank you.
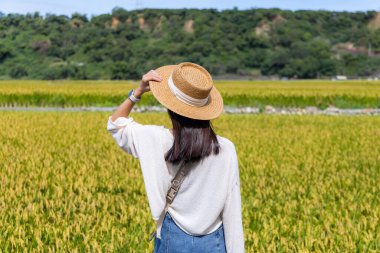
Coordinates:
(175, 240)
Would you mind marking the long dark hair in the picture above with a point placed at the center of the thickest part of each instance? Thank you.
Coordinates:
(193, 139)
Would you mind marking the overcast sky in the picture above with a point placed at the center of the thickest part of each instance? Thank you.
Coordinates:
(94, 7)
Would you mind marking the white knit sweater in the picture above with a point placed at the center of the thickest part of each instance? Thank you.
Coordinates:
(209, 194)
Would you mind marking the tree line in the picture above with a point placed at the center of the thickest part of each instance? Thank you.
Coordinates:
(231, 43)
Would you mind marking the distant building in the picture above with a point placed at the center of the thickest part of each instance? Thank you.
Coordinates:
(340, 78)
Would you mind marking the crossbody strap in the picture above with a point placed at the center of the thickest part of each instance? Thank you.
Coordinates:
(172, 193)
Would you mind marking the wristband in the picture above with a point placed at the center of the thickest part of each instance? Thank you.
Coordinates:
(132, 97)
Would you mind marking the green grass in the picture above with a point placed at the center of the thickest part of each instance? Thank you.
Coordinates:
(348, 94)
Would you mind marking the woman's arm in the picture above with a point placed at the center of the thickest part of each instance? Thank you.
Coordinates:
(125, 108)
(232, 212)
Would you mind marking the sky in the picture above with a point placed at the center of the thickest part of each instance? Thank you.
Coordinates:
(95, 7)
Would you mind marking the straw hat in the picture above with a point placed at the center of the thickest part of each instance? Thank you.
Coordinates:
(187, 89)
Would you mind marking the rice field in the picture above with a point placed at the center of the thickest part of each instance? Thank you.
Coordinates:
(308, 183)
(341, 94)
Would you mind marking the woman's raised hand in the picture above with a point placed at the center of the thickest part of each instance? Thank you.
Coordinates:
(152, 75)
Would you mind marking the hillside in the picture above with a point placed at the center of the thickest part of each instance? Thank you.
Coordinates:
(248, 43)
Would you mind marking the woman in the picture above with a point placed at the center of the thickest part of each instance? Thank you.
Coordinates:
(206, 213)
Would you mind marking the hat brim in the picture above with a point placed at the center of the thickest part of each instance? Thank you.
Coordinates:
(164, 95)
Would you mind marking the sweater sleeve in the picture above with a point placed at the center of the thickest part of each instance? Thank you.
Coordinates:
(124, 131)
(232, 216)
(144, 142)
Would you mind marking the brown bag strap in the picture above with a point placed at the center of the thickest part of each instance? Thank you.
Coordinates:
(172, 193)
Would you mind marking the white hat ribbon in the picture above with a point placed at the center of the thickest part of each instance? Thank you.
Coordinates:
(184, 97)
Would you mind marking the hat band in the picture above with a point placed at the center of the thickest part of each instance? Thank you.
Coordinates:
(184, 97)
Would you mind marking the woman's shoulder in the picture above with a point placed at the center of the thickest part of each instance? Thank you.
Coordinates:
(150, 133)
(225, 142)
(152, 129)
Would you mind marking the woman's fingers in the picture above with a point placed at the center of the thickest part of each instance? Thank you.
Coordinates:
(152, 76)
(146, 81)
(155, 78)
(154, 73)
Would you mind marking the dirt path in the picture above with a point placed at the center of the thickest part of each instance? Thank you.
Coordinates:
(228, 110)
